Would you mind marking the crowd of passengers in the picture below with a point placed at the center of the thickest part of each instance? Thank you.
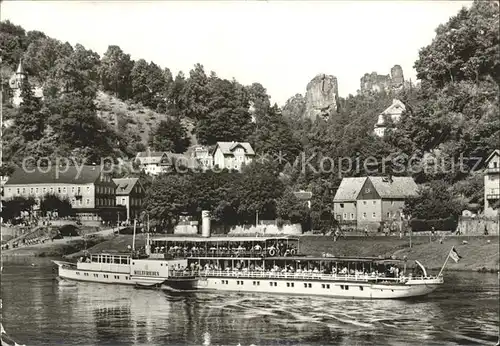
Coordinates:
(188, 250)
(392, 271)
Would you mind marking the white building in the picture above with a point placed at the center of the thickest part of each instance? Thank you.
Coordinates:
(201, 155)
(153, 162)
(394, 111)
(232, 155)
(492, 184)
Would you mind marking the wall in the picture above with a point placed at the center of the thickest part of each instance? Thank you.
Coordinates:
(348, 209)
(475, 226)
(369, 206)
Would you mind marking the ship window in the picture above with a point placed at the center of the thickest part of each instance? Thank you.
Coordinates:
(327, 285)
(346, 287)
(222, 282)
(275, 284)
(342, 287)
(77, 273)
(322, 285)
(117, 277)
(270, 284)
(117, 260)
(360, 288)
(258, 283)
(292, 284)
(305, 285)
(310, 285)
(86, 274)
(254, 283)
(287, 284)
(96, 275)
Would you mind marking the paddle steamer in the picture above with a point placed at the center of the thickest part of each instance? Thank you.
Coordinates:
(253, 264)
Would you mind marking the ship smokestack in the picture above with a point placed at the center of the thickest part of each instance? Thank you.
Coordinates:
(205, 223)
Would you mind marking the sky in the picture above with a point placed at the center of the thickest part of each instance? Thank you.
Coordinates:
(280, 44)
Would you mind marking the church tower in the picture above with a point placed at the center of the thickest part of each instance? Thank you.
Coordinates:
(16, 82)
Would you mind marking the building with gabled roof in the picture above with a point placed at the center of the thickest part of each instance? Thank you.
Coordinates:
(371, 201)
(393, 112)
(130, 193)
(89, 189)
(232, 155)
(492, 184)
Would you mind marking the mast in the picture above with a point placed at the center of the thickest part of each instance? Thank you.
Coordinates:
(133, 239)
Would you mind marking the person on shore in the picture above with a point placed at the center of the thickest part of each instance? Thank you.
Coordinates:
(485, 230)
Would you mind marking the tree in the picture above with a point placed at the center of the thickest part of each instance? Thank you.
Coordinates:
(31, 119)
(42, 56)
(73, 118)
(148, 83)
(196, 93)
(228, 118)
(167, 198)
(434, 201)
(256, 190)
(115, 70)
(289, 207)
(12, 43)
(75, 73)
(13, 207)
(465, 48)
(170, 135)
(274, 138)
(52, 202)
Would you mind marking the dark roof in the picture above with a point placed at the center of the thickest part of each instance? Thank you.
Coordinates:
(125, 185)
(61, 175)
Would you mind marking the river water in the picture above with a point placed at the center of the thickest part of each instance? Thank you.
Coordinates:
(38, 311)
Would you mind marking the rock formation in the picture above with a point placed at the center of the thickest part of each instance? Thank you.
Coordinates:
(373, 82)
(321, 96)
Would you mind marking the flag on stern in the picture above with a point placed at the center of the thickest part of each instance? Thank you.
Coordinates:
(454, 255)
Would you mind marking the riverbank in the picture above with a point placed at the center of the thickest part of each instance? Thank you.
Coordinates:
(480, 253)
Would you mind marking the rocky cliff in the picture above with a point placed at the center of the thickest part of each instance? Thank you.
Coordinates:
(373, 82)
(321, 96)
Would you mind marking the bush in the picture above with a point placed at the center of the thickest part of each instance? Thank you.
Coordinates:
(419, 225)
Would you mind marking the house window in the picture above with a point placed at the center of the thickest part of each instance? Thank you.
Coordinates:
(24, 190)
(36, 190)
(495, 164)
(123, 200)
(342, 205)
(374, 202)
(59, 190)
(73, 189)
(352, 216)
(18, 191)
(364, 215)
(87, 201)
(345, 216)
(44, 190)
(88, 188)
(367, 190)
(364, 202)
(373, 215)
(388, 214)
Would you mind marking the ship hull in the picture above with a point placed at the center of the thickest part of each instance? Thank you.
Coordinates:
(334, 289)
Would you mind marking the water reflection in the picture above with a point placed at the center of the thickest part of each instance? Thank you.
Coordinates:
(465, 311)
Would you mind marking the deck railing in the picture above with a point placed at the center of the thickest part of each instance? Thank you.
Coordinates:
(300, 276)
